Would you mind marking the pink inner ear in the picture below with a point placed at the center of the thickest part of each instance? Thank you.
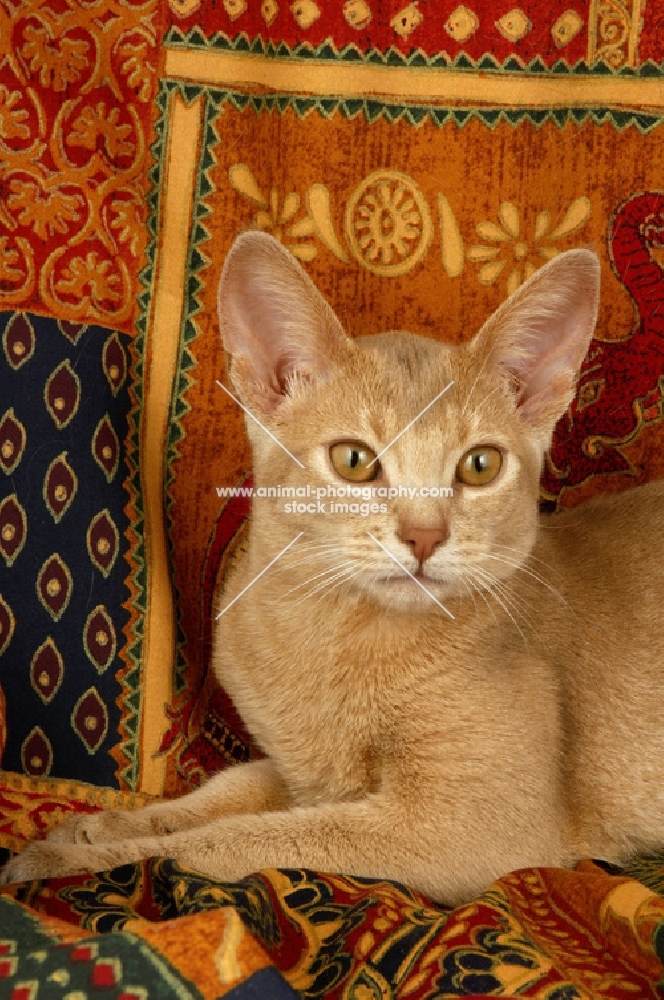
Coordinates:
(270, 312)
(541, 334)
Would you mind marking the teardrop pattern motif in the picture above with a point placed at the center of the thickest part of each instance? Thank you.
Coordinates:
(54, 586)
(67, 596)
(90, 720)
(103, 542)
(60, 486)
(18, 341)
(114, 362)
(62, 394)
(72, 331)
(99, 638)
(7, 625)
(13, 528)
(47, 670)
(106, 447)
(12, 441)
(37, 753)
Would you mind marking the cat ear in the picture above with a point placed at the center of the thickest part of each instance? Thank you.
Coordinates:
(274, 323)
(540, 335)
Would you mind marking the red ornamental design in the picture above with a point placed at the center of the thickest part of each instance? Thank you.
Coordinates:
(114, 362)
(47, 670)
(60, 485)
(589, 439)
(72, 331)
(37, 753)
(103, 542)
(106, 448)
(62, 394)
(7, 625)
(99, 638)
(12, 528)
(54, 586)
(12, 442)
(90, 720)
(18, 341)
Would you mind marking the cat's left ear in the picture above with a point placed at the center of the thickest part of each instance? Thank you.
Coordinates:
(540, 336)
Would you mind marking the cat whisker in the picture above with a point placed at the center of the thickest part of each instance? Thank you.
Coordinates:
(495, 589)
(316, 576)
(542, 562)
(470, 589)
(350, 570)
(516, 598)
(345, 579)
(470, 583)
(531, 573)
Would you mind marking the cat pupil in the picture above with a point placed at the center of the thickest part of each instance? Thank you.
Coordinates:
(354, 459)
(479, 463)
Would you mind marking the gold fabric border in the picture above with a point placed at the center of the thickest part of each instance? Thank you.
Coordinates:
(411, 84)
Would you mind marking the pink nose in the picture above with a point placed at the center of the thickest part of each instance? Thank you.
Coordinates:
(423, 540)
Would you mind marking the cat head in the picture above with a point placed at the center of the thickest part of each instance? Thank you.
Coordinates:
(338, 425)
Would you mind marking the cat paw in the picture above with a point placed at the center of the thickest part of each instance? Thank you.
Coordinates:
(42, 859)
(88, 828)
(111, 825)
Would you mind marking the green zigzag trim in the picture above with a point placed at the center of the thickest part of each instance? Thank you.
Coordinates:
(326, 51)
(415, 114)
(197, 261)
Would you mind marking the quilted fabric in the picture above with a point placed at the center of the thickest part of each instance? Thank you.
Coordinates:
(421, 160)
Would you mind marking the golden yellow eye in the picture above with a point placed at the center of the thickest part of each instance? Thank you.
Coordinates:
(479, 466)
(351, 461)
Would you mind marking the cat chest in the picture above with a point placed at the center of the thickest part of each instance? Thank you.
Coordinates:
(327, 743)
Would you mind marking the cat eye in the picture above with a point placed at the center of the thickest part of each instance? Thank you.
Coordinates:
(479, 466)
(351, 461)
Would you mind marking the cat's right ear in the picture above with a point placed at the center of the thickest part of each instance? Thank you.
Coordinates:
(274, 323)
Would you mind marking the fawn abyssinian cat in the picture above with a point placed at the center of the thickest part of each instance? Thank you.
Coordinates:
(445, 689)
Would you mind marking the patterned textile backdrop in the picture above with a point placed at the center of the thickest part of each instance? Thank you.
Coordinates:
(421, 160)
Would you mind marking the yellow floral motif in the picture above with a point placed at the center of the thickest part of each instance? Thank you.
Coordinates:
(47, 213)
(12, 118)
(60, 61)
(510, 248)
(91, 272)
(274, 216)
(94, 124)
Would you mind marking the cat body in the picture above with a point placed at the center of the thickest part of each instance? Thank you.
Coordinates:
(446, 689)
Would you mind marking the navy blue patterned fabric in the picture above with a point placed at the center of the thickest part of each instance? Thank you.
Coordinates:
(63, 424)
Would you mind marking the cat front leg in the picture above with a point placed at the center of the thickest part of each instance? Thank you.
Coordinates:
(255, 787)
(354, 837)
(375, 837)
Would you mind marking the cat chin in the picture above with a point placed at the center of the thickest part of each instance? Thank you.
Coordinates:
(401, 593)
